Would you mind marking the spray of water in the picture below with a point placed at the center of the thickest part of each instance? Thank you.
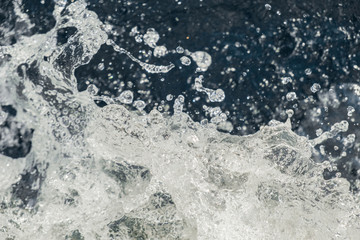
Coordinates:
(113, 173)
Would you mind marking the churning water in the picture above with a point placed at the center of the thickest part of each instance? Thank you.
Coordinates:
(81, 162)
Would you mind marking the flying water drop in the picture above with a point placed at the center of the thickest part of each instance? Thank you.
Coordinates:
(151, 37)
(202, 59)
(185, 61)
(126, 97)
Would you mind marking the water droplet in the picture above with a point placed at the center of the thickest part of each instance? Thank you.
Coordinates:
(349, 140)
(3, 116)
(181, 98)
(138, 38)
(160, 51)
(214, 111)
(178, 104)
(133, 31)
(202, 59)
(185, 60)
(92, 89)
(342, 126)
(285, 80)
(169, 97)
(126, 97)
(315, 87)
(318, 132)
(308, 71)
(101, 66)
(179, 50)
(139, 105)
(350, 111)
(151, 37)
(217, 96)
(291, 96)
(290, 113)
(204, 121)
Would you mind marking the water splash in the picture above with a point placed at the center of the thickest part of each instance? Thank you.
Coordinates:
(113, 173)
